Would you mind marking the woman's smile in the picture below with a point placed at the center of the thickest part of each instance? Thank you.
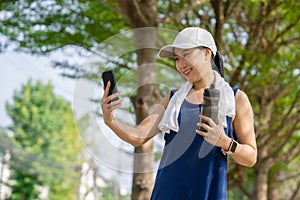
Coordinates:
(187, 72)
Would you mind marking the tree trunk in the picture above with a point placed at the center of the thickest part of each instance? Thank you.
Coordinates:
(147, 95)
(143, 14)
(143, 179)
(260, 184)
(273, 189)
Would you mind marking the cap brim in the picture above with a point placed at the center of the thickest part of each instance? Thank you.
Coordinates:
(168, 51)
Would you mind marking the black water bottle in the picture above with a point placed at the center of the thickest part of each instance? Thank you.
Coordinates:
(211, 97)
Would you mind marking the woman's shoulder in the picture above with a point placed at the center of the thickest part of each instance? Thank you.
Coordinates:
(241, 99)
(240, 93)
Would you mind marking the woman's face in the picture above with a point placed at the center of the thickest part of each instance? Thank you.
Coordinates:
(193, 64)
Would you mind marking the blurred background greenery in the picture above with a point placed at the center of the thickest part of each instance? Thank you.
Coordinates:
(259, 40)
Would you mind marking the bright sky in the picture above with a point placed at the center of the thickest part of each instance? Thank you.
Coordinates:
(17, 68)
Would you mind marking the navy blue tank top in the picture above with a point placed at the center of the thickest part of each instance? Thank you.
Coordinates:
(191, 168)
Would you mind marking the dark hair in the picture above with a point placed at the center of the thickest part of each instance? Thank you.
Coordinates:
(217, 63)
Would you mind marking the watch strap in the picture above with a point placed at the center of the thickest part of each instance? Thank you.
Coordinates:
(231, 148)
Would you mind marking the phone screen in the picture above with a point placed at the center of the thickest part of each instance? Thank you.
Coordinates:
(109, 76)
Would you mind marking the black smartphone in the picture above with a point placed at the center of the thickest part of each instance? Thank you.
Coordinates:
(109, 76)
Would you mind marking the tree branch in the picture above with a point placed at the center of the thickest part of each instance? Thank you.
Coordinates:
(139, 12)
(182, 12)
(289, 177)
(284, 119)
(289, 154)
(296, 193)
(287, 119)
(229, 54)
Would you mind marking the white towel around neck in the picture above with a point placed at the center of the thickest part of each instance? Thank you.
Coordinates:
(169, 120)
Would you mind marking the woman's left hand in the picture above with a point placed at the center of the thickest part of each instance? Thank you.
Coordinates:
(215, 134)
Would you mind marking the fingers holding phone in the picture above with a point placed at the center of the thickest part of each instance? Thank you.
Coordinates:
(110, 100)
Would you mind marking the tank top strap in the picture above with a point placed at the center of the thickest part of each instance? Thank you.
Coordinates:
(235, 89)
(172, 93)
(232, 133)
(179, 115)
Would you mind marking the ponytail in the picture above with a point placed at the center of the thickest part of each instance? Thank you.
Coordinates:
(217, 63)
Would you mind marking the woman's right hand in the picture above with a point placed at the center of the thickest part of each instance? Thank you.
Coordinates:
(108, 106)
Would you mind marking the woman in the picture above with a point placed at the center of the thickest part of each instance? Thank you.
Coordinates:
(193, 164)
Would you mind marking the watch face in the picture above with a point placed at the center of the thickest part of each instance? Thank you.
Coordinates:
(233, 146)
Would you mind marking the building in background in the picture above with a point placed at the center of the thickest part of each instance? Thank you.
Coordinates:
(5, 173)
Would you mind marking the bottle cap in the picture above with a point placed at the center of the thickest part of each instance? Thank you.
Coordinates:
(211, 91)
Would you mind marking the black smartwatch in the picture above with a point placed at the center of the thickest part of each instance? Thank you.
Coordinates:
(231, 149)
(232, 146)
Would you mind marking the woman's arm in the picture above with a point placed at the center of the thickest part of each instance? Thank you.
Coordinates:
(243, 125)
(134, 135)
(246, 150)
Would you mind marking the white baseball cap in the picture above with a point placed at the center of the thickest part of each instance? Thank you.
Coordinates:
(189, 38)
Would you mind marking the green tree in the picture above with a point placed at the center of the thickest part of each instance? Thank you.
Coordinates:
(45, 145)
(259, 40)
